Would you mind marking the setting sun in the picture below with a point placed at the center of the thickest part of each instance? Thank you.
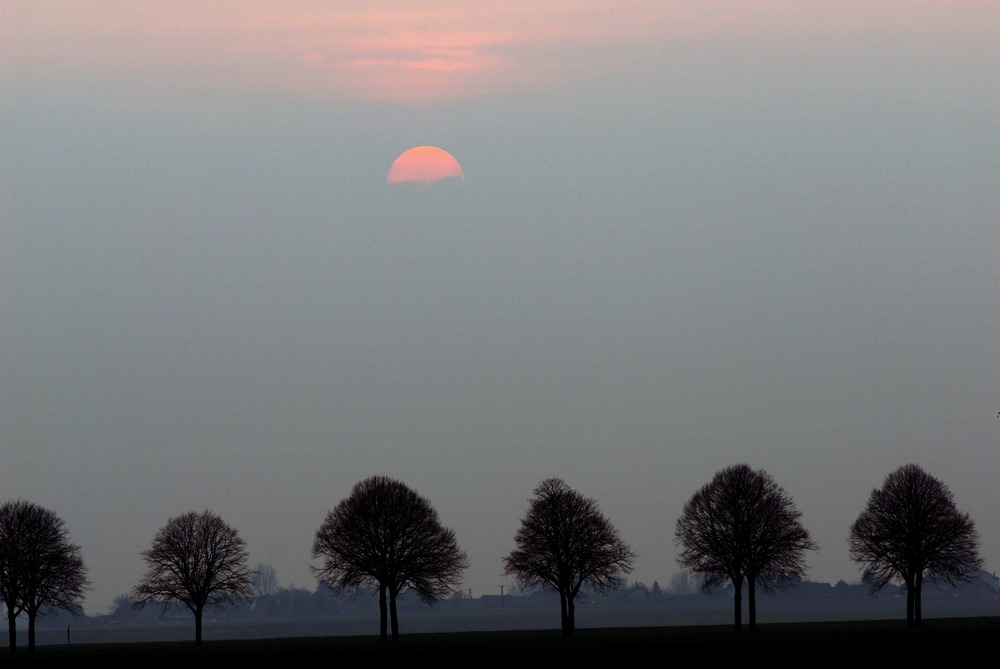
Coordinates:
(424, 165)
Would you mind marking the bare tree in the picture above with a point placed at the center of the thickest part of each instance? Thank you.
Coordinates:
(40, 570)
(911, 532)
(684, 582)
(743, 528)
(196, 560)
(521, 588)
(265, 581)
(122, 606)
(565, 543)
(387, 536)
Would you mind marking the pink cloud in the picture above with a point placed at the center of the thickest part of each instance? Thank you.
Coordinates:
(403, 50)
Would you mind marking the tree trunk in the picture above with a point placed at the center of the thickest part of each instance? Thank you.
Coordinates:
(11, 632)
(197, 625)
(570, 628)
(738, 604)
(31, 630)
(394, 619)
(563, 611)
(909, 600)
(917, 613)
(383, 626)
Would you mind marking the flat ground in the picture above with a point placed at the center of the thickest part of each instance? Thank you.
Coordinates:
(784, 643)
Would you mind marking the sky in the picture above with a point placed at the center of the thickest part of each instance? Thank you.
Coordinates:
(688, 235)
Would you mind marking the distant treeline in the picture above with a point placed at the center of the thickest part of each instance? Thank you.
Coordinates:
(681, 602)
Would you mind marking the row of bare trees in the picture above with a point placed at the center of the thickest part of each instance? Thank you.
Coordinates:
(741, 528)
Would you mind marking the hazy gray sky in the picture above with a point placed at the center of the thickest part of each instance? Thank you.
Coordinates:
(689, 235)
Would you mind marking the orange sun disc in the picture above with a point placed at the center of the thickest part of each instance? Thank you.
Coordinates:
(424, 165)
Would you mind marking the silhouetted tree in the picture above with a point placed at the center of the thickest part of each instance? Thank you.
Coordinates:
(197, 560)
(911, 532)
(40, 570)
(565, 543)
(742, 527)
(387, 536)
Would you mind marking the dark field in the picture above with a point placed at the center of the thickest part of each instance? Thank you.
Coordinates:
(781, 643)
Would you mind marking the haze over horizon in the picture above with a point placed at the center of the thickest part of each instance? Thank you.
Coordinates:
(688, 235)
